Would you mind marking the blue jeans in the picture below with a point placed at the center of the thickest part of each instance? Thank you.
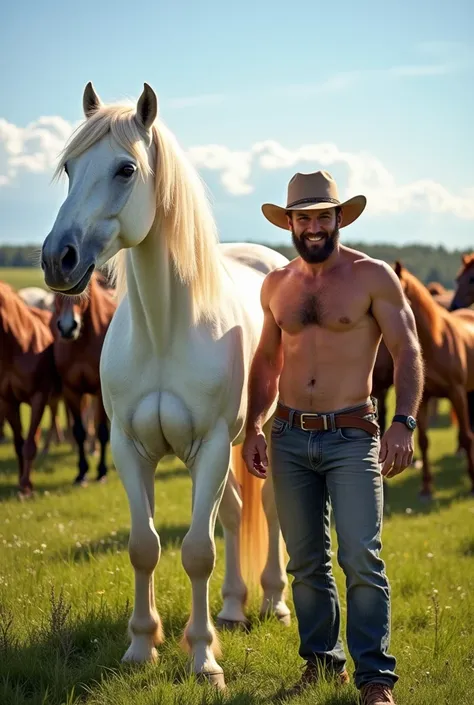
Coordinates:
(312, 471)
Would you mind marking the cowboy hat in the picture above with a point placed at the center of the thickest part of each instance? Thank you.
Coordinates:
(313, 191)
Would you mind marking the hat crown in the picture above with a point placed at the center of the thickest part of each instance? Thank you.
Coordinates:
(316, 186)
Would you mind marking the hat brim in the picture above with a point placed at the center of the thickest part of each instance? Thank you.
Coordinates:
(351, 210)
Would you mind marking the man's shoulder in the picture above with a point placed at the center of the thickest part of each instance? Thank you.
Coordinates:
(279, 274)
(370, 266)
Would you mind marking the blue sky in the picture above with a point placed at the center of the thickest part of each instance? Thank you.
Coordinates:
(381, 96)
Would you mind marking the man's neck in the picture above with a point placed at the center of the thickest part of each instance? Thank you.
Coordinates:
(316, 269)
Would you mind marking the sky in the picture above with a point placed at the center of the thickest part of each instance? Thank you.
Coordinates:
(378, 94)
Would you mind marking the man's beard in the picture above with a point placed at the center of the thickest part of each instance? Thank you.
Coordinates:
(316, 253)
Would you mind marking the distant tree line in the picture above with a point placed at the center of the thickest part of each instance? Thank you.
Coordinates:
(427, 263)
(19, 256)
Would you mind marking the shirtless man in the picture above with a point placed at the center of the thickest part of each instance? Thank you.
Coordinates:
(324, 315)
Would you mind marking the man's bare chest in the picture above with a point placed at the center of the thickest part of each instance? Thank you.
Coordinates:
(330, 308)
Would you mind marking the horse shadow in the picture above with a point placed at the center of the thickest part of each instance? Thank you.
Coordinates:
(451, 484)
(92, 644)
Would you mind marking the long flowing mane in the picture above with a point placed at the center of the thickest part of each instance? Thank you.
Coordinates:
(184, 216)
(29, 327)
(419, 295)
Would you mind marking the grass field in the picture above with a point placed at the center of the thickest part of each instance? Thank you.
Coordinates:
(20, 277)
(66, 587)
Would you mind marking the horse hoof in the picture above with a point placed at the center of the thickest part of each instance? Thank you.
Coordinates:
(284, 619)
(101, 479)
(80, 482)
(426, 496)
(232, 625)
(216, 679)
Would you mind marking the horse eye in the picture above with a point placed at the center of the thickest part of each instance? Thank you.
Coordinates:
(126, 171)
(471, 280)
(66, 171)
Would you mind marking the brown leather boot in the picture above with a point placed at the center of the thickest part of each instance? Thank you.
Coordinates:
(311, 674)
(376, 694)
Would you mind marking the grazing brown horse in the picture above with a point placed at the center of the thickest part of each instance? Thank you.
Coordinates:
(27, 373)
(464, 292)
(80, 325)
(447, 341)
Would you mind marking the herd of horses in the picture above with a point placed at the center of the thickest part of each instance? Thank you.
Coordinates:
(167, 355)
(50, 351)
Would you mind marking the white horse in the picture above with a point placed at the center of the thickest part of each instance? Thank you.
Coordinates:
(176, 357)
(37, 297)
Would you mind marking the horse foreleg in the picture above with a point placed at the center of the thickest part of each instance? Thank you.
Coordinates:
(234, 590)
(103, 436)
(273, 579)
(137, 475)
(427, 477)
(198, 551)
(466, 438)
(73, 401)
(11, 412)
(38, 404)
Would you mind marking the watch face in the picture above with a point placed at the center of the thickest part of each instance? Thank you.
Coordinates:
(411, 423)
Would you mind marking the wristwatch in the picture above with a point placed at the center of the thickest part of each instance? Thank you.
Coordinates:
(409, 421)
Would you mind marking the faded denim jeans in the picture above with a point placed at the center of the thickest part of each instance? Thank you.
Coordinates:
(312, 472)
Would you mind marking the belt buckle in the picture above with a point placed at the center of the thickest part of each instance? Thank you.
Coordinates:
(324, 417)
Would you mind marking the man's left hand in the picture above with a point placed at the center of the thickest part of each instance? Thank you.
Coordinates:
(396, 449)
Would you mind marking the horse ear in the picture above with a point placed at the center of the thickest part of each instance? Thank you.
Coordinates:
(147, 107)
(90, 100)
(465, 259)
(398, 268)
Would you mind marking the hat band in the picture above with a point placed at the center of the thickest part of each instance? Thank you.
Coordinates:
(314, 200)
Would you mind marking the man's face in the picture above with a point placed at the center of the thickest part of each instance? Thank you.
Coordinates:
(315, 233)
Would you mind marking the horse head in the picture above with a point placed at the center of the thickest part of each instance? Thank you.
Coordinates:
(464, 293)
(111, 202)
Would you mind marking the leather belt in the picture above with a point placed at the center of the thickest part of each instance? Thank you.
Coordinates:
(330, 422)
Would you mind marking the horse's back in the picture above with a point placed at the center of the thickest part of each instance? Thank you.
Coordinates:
(35, 296)
(259, 257)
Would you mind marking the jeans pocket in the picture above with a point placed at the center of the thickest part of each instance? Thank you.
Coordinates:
(354, 434)
(278, 427)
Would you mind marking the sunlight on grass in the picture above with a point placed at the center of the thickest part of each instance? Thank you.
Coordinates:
(66, 593)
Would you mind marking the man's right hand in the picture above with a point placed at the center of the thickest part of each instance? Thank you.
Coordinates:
(254, 453)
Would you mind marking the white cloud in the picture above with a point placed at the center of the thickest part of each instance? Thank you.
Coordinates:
(35, 149)
(365, 174)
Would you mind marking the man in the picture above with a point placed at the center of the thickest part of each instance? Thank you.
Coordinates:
(324, 315)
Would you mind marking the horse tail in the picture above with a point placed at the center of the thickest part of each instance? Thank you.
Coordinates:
(253, 525)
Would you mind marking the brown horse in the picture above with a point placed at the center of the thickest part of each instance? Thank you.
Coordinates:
(28, 373)
(447, 341)
(80, 326)
(464, 292)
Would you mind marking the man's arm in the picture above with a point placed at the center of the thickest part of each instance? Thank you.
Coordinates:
(395, 318)
(266, 364)
(263, 383)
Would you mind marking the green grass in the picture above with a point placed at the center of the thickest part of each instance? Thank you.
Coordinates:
(20, 277)
(66, 587)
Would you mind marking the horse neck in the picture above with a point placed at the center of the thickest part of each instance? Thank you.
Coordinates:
(428, 316)
(20, 332)
(160, 304)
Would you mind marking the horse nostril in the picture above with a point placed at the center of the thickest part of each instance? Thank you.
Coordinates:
(69, 258)
(74, 325)
(59, 326)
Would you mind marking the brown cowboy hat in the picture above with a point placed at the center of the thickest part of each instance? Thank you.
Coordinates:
(313, 191)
